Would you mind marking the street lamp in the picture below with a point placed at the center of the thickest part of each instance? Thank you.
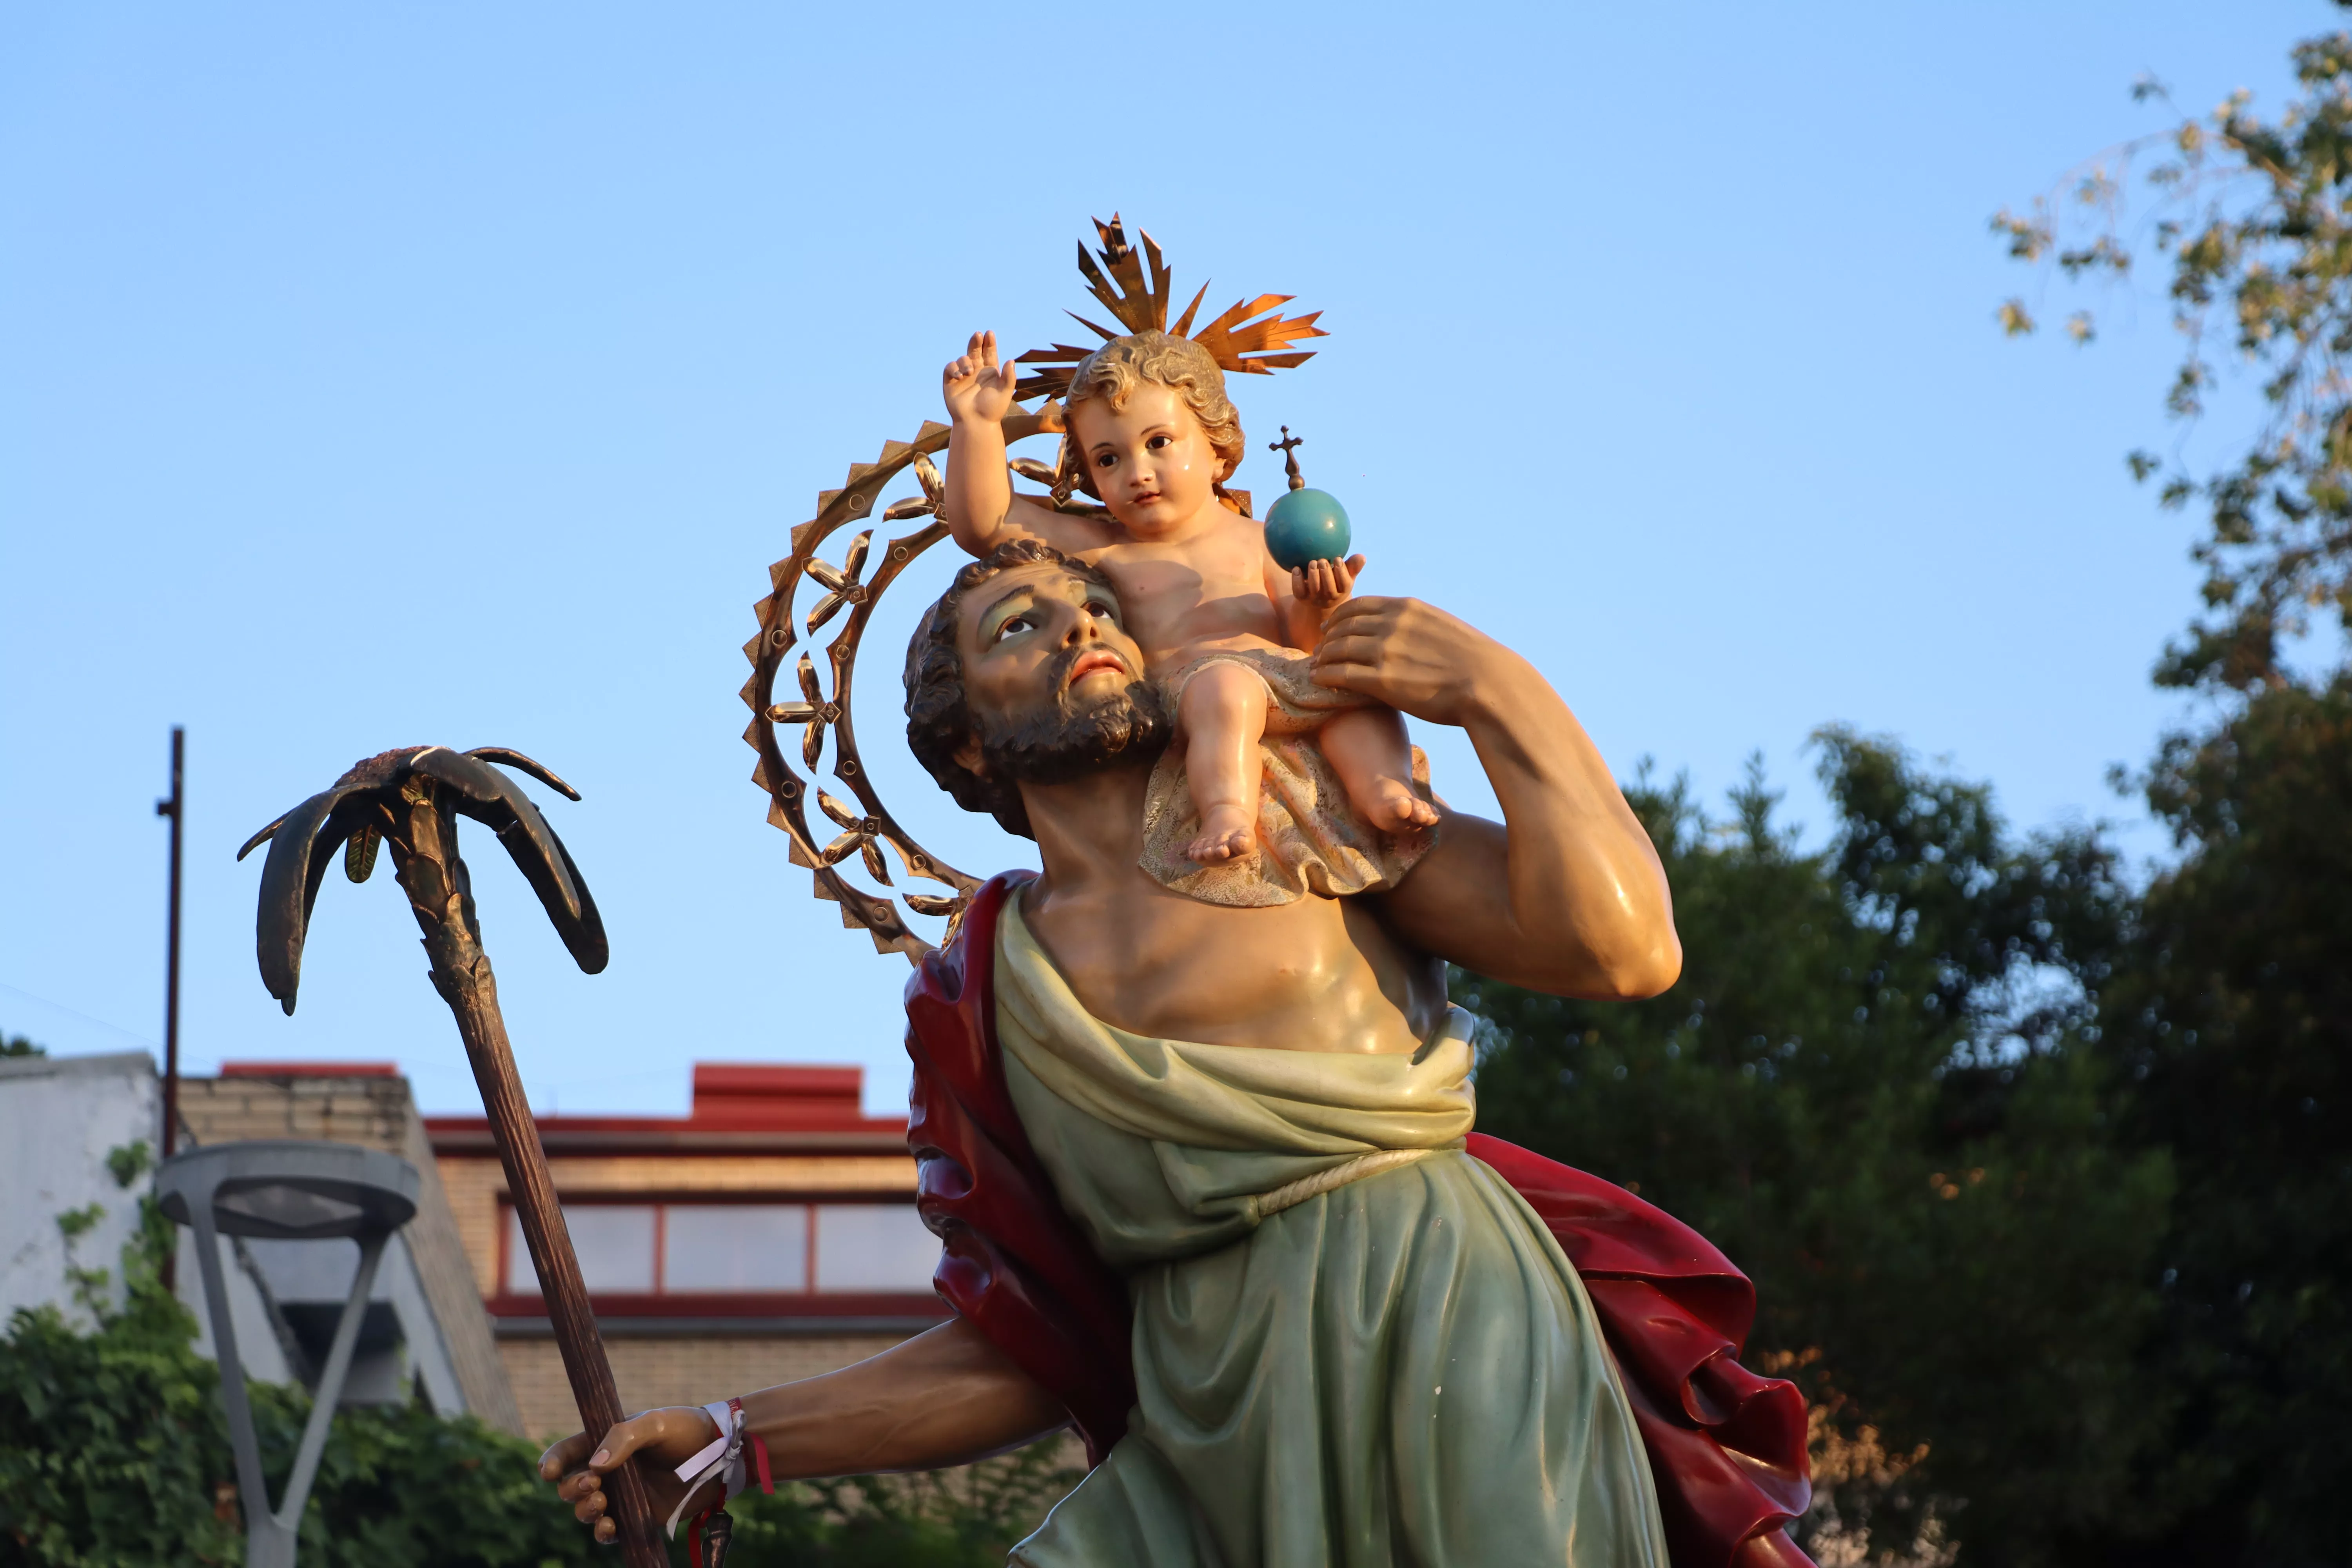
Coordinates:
(284, 1190)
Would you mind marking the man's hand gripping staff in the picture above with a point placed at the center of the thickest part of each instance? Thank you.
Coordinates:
(409, 801)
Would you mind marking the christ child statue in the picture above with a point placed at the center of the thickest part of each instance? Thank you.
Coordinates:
(1225, 629)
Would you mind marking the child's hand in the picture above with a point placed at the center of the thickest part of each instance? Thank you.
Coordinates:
(977, 388)
(1325, 583)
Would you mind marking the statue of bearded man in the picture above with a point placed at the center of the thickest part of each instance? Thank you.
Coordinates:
(1206, 1179)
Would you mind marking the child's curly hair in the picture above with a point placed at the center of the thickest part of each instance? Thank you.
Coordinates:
(1114, 371)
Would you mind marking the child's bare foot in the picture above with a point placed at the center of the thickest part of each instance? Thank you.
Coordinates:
(1390, 804)
(1225, 836)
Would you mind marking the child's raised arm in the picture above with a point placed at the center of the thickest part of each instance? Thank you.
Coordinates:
(981, 509)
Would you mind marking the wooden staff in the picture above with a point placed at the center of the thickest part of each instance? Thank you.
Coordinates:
(410, 800)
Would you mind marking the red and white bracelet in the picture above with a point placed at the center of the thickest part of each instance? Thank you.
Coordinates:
(721, 1459)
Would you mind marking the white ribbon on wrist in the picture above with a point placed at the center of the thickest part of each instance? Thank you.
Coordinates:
(722, 1457)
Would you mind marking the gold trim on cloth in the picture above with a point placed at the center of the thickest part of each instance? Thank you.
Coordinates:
(1290, 1194)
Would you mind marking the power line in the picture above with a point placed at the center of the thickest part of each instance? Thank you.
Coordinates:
(85, 1017)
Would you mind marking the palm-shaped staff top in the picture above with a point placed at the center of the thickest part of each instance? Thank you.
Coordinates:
(411, 798)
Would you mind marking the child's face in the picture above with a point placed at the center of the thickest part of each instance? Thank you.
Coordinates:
(1151, 461)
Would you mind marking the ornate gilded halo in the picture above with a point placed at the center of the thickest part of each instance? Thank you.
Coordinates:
(861, 830)
(1238, 340)
(1245, 341)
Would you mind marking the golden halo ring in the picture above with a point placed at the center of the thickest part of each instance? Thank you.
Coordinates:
(860, 832)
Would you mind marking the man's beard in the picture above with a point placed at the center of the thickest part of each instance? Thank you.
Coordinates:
(1053, 742)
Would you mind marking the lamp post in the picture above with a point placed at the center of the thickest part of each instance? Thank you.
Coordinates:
(286, 1190)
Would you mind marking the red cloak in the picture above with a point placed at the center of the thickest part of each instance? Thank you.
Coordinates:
(1727, 1447)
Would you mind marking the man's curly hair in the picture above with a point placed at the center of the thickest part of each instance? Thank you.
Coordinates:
(939, 720)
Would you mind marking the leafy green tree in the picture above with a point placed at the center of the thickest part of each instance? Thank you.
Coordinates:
(114, 1451)
(962, 1519)
(1870, 1088)
(2230, 1014)
(2230, 1018)
(20, 1046)
(114, 1454)
(2255, 216)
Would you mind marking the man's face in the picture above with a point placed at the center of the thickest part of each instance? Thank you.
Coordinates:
(1151, 461)
(1051, 680)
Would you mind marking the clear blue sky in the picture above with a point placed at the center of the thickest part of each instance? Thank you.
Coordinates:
(373, 376)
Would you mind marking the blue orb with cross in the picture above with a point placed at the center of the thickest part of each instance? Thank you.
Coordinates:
(1306, 525)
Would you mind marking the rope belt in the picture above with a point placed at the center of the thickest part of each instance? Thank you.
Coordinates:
(1291, 1193)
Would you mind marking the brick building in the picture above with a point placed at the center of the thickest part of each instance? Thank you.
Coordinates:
(770, 1234)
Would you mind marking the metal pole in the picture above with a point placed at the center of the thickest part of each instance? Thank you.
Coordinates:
(173, 808)
(380, 1191)
(286, 1518)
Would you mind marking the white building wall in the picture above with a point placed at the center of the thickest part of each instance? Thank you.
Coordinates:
(59, 1117)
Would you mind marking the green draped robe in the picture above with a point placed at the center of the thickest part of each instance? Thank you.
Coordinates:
(1355, 1346)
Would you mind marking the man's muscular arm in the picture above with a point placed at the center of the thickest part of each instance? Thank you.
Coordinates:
(947, 1396)
(1585, 911)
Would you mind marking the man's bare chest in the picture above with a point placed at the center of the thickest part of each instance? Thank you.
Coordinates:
(1292, 977)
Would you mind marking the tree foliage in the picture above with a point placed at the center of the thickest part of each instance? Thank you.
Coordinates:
(1869, 1088)
(2254, 218)
(961, 1518)
(2226, 1024)
(114, 1453)
(2230, 1023)
(114, 1449)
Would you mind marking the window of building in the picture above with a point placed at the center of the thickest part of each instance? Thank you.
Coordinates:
(741, 1249)
(872, 1246)
(614, 1243)
(736, 1247)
